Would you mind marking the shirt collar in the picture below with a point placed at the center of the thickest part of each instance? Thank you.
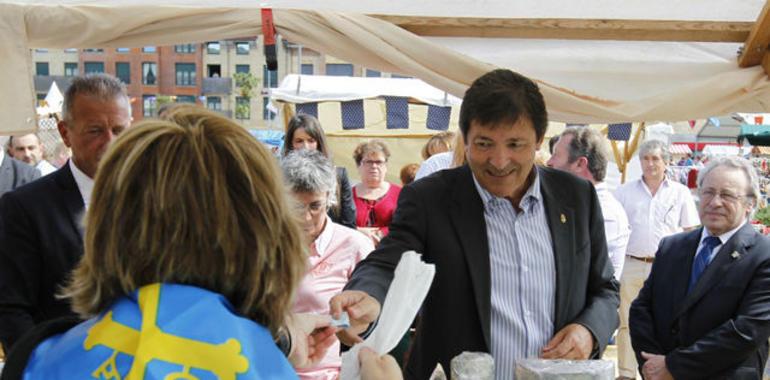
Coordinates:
(723, 238)
(84, 182)
(323, 239)
(530, 198)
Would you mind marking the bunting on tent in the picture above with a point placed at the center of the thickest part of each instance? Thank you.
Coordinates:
(619, 132)
(352, 114)
(308, 109)
(438, 118)
(397, 111)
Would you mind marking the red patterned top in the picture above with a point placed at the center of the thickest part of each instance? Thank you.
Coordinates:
(377, 213)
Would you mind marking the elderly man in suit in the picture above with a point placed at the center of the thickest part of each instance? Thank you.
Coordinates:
(40, 223)
(521, 258)
(704, 311)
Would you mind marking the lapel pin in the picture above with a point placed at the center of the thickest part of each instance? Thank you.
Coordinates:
(563, 218)
(735, 255)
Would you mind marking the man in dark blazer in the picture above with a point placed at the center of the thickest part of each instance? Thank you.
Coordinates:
(704, 311)
(41, 237)
(14, 173)
(446, 218)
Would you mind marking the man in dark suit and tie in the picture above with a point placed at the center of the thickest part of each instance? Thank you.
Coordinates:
(14, 173)
(40, 223)
(704, 311)
(521, 258)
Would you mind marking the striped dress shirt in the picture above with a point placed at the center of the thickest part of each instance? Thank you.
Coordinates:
(523, 277)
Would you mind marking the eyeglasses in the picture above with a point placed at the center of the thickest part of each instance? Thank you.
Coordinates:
(708, 194)
(314, 208)
(373, 162)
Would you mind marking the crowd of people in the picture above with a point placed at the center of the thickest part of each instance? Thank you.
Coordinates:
(180, 244)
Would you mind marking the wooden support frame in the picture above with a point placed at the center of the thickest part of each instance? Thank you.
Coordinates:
(574, 29)
(756, 48)
(629, 149)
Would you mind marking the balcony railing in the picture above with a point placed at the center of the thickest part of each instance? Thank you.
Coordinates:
(217, 86)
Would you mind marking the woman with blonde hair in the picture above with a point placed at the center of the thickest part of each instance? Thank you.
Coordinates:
(192, 254)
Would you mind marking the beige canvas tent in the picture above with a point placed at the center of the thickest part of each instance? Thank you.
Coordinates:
(596, 60)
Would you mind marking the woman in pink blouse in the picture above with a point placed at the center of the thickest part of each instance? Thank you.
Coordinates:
(375, 198)
(333, 249)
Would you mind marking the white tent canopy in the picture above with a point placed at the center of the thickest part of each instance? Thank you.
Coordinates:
(320, 88)
(582, 81)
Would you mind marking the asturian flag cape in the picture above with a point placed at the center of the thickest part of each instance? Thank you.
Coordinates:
(163, 331)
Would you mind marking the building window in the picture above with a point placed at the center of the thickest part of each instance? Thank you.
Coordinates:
(269, 78)
(373, 73)
(213, 47)
(214, 103)
(41, 68)
(242, 69)
(71, 50)
(123, 71)
(215, 71)
(266, 113)
(185, 99)
(149, 105)
(242, 108)
(185, 48)
(242, 48)
(70, 69)
(339, 69)
(91, 50)
(149, 73)
(307, 69)
(185, 74)
(123, 50)
(149, 49)
(93, 67)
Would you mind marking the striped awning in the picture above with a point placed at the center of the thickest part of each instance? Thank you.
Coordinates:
(680, 149)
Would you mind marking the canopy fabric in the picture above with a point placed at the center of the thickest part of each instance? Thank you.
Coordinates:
(592, 82)
(320, 88)
(680, 149)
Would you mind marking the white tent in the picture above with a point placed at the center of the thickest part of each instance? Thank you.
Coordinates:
(583, 81)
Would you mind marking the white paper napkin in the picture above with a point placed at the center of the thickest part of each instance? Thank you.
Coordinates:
(410, 285)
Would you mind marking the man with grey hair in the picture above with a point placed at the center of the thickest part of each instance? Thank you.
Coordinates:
(656, 207)
(41, 235)
(334, 250)
(583, 152)
(704, 311)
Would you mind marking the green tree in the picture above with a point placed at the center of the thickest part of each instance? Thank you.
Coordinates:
(247, 85)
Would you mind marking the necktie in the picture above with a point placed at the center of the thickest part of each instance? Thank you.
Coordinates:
(702, 259)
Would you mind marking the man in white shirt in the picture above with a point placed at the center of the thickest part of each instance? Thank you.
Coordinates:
(29, 148)
(656, 207)
(41, 236)
(584, 153)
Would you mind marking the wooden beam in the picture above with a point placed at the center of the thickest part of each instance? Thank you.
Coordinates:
(766, 63)
(574, 29)
(756, 45)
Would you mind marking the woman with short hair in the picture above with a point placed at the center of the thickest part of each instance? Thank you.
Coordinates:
(333, 249)
(375, 197)
(305, 132)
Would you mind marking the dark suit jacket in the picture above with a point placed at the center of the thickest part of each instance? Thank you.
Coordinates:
(40, 243)
(720, 329)
(14, 173)
(442, 217)
(344, 212)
